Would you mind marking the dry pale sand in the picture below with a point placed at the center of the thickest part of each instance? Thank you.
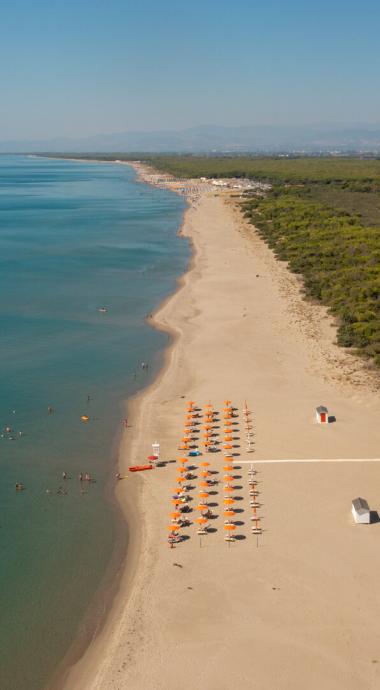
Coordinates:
(301, 609)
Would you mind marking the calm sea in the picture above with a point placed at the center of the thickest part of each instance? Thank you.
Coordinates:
(73, 237)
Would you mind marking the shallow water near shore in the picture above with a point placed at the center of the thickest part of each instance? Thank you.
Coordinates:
(73, 237)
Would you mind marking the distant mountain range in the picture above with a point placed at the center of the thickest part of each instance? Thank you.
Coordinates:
(214, 139)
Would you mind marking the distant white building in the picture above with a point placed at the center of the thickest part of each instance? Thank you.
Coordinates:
(360, 511)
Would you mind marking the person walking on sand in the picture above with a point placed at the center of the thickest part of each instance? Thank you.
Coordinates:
(126, 422)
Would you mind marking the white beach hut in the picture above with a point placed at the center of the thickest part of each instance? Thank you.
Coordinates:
(360, 511)
(322, 415)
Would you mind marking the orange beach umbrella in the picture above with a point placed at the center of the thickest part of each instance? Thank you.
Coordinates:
(173, 528)
(175, 514)
(229, 527)
(204, 463)
(228, 501)
(201, 520)
(229, 513)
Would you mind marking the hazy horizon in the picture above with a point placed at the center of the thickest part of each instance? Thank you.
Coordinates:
(77, 70)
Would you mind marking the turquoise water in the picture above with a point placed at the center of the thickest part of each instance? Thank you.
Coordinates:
(73, 237)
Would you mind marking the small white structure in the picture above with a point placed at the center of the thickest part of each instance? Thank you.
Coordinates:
(156, 450)
(360, 511)
(322, 415)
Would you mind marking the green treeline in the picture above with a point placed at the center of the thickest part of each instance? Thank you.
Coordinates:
(338, 257)
(348, 171)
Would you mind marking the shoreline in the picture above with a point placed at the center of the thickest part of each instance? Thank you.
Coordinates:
(126, 627)
(127, 504)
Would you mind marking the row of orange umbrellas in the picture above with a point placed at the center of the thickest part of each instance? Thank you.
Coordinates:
(181, 468)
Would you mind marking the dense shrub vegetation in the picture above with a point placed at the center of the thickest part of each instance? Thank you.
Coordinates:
(337, 256)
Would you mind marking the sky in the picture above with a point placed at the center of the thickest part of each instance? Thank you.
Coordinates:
(75, 67)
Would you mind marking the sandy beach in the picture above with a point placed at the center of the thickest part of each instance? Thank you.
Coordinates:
(299, 607)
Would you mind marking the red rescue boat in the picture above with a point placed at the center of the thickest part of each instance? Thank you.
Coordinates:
(140, 468)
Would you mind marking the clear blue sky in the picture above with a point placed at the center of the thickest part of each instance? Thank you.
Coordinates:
(77, 67)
